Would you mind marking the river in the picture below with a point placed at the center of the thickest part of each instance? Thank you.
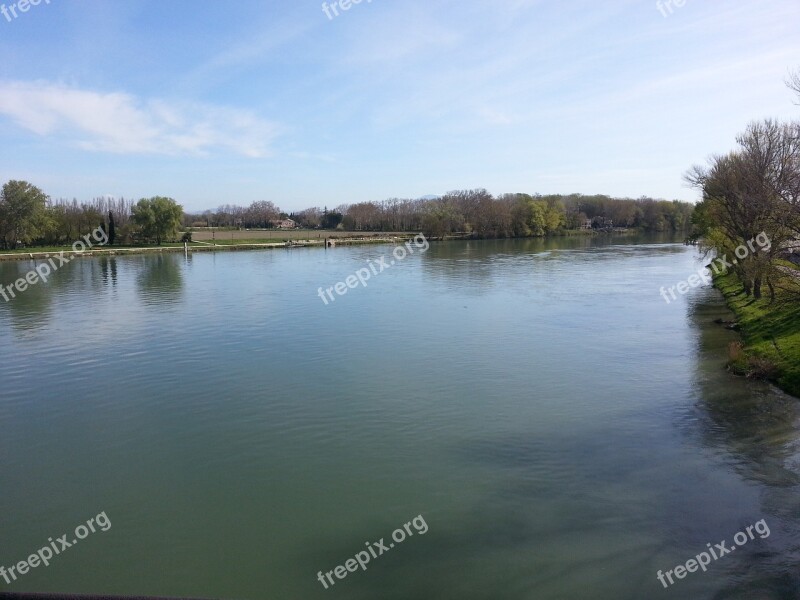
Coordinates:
(562, 431)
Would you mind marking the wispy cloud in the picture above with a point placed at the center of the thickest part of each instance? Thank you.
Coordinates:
(256, 49)
(120, 123)
(312, 156)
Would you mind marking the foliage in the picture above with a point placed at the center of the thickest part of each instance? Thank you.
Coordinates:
(112, 229)
(157, 218)
(771, 332)
(751, 191)
(331, 220)
(23, 215)
(480, 214)
(471, 212)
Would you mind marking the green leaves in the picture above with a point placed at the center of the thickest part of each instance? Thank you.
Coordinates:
(157, 218)
(22, 213)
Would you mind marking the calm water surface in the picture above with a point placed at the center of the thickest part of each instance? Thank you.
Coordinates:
(564, 432)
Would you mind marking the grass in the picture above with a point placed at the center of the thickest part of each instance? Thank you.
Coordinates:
(224, 238)
(272, 240)
(267, 236)
(770, 335)
(57, 249)
(230, 242)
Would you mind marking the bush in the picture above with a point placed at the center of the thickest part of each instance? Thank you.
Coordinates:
(737, 359)
(752, 367)
(761, 368)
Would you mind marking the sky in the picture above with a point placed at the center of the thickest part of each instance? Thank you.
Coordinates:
(223, 102)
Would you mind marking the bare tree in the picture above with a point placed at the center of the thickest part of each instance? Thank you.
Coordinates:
(261, 214)
(793, 82)
(753, 191)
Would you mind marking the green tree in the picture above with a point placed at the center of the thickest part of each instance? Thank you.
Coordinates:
(331, 220)
(112, 229)
(22, 213)
(441, 219)
(538, 218)
(157, 218)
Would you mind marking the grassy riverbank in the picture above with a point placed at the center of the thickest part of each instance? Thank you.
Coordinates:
(206, 241)
(770, 335)
(40, 253)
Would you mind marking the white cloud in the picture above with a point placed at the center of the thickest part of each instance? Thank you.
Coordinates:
(123, 124)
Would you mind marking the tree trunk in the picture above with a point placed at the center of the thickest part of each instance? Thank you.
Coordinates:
(757, 288)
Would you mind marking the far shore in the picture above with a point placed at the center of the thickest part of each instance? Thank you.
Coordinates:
(198, 247)
(211, 244)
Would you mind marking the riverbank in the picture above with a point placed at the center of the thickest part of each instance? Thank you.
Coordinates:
(770, 347)
(219, 246)
(209, 244)
(563, 233)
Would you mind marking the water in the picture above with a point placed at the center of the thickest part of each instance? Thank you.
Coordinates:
(562, 430)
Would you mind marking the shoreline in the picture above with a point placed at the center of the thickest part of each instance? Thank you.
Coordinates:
(770, 346)
(197, 247)
(330, 241)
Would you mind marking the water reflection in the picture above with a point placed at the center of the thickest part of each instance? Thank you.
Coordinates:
(480, 263)
(160, 279)
(756, 422)
(108, 267)
(757, 425)
(29, 310)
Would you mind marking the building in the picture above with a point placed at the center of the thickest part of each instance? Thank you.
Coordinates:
(283, 224)
(599, 223)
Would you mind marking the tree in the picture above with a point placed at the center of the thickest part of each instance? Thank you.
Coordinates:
(309, 218)
(751, 191)
(331, 220)
(793, 83)
(261, 214)
(112, 229)
(157, 218)
(440, 219)
(22, 213)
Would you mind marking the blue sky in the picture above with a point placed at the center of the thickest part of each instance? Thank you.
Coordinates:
(237, 101)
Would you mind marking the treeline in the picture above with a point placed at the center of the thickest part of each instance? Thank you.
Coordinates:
(480, 214)
(259, 215)
(28, 217)
(474, 212)
(752, 190)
